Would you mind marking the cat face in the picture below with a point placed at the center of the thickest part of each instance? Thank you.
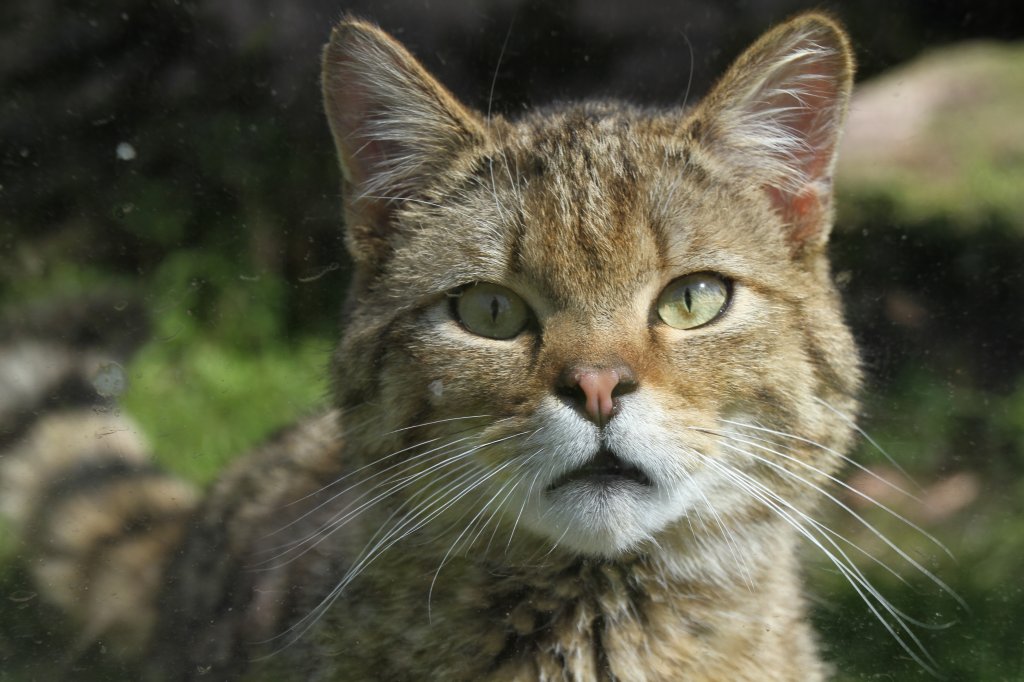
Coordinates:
(596, 324)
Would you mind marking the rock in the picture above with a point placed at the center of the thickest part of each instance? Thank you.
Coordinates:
(940, 138)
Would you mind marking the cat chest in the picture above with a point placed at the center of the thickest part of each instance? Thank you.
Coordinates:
(570, 631)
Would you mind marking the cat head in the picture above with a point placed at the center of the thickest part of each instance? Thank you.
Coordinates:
(602, 325)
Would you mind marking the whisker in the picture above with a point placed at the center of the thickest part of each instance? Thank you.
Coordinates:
(877, 533)
(728, 535)
(446, 420)
(852, 423)
(297, 630)
(404, 463)
(853, 575)
(393, 454)
(496, 514)
(451, 549)
(689, 78)
(522, 508)
(343, 516)
(382, 541)
(851, 461)
(837, 481)
(302, 546)
(400, 198)
(413, 523)
(490, 102)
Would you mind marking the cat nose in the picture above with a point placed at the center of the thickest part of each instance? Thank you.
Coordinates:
(594, 390)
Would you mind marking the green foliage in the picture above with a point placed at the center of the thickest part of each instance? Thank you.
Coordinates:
(203, 403)
(948, 425)
(219, 375)
(220, 372)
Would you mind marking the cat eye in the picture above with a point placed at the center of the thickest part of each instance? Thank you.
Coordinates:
(693, 300)
(491, 310)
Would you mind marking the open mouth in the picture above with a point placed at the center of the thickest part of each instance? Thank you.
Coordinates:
(604, 469)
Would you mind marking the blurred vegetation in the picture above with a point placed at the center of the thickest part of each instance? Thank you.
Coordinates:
(221, 214)
(929, 256)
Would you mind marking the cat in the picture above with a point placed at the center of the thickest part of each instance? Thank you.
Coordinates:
(593, 382)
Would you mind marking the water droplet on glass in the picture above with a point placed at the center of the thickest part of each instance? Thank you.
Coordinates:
(110, 380)
(125, 152)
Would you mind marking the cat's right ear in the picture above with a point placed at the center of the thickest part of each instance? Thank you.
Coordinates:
(393, 125)
(775, 117)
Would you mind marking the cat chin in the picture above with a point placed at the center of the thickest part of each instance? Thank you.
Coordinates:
(600, 518)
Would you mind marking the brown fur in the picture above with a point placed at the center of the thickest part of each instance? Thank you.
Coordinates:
(411, 533)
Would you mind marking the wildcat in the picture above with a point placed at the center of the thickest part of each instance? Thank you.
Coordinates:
(593, 381)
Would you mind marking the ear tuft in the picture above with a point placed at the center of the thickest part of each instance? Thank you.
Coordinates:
(392, 123)
(776, 116)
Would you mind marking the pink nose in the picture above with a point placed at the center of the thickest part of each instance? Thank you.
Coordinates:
(593, 390)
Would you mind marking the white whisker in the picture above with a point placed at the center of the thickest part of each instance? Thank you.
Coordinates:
(835, 480)
(346, 514)
(470, 525)
(729, 537)
(866, 436)
(857, 580)
(825, 448)
(522, 508)
(402, 466)
(864, 522)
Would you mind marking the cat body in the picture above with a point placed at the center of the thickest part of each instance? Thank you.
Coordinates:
(593, 381)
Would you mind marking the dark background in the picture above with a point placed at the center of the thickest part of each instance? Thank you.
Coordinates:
(221, 102)
(225, 221)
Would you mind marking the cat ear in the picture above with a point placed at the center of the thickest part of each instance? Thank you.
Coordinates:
(393, 124)
(776, 115)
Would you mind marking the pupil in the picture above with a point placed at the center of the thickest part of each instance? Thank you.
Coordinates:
(688, 299)
(495, 307)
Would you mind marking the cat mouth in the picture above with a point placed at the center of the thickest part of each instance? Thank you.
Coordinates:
(606, 468)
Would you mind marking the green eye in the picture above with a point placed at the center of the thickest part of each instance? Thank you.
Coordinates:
(693, 300)
(491, 310)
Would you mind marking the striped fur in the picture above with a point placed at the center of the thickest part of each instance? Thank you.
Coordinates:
(75, 476)
(418, 530)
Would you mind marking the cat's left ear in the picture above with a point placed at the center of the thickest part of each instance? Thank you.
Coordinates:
(776, 117)
(393, 124)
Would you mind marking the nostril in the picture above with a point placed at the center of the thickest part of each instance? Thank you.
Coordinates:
(627, 384)
(569, 389)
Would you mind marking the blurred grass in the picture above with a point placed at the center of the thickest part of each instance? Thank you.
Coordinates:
(964, 162)
(926, 427)
(203, 407)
